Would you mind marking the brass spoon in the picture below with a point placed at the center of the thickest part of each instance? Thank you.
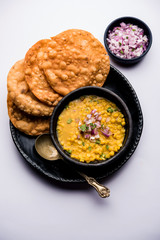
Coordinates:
(45, 149)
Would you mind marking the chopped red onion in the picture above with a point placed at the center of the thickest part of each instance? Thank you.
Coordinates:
(93, 111)
(87, 136)
(91, 124)
(79, 123)
(97, 136)
(96, 114)
(92, 138)
(88, 121)
(127, 41)
(89, 116)
(106, 132)
(98, 124)
(94, 131)
(78, 137)
(99, 118)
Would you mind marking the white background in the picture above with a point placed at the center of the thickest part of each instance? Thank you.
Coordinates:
(35, 208)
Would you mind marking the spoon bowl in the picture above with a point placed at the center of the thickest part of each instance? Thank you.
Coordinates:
(45, 148)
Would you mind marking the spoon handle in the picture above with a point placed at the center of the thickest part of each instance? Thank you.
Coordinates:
(102, 190)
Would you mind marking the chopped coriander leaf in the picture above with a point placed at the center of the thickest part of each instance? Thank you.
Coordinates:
(82, 98)
(98, 141)
(69, 151)
(92, 125)
(133, 30)
(67, 106)
(110, 109)
(87, 127)
(97, 101)
(103, 155)
(121, 52)
(83, 127)
(83, 143)
(69, 120)
(120, 43)
(89, 148)
(107, 146)
(102, 126)
(93, 97)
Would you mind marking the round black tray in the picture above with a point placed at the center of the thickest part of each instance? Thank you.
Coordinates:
(59, 170)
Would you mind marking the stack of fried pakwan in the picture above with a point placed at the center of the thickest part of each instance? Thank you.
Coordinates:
(51, 69)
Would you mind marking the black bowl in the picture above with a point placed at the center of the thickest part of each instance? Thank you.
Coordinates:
(134, 21)
(98, 91)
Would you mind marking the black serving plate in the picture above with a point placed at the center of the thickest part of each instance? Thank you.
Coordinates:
(59, 170)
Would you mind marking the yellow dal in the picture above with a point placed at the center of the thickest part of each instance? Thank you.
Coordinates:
(72, 139)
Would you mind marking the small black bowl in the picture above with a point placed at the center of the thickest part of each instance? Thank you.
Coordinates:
(98, 91)
(134, 21)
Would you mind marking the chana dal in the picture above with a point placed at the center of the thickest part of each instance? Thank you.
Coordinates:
(91, 128)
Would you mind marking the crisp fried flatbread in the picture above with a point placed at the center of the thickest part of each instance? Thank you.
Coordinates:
(73, 59)
(26, 123)
(21, 95)
(34, 75)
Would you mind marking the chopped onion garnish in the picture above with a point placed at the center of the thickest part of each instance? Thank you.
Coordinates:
(106, 132)
(93, 111)
(94, 131)
(91, 124)
(127, 41)
(89, 116)
(98, 124)
(87, 136)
